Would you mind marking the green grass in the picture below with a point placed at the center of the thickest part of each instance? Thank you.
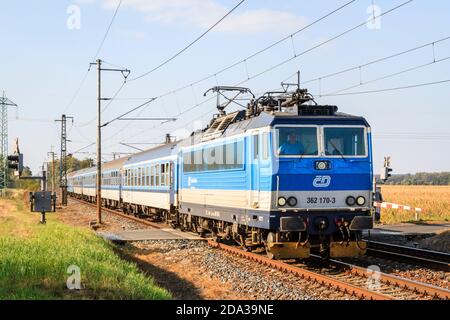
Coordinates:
(34, 260)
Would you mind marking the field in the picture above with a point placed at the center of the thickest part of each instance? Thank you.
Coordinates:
(34, 261)
(434, 201)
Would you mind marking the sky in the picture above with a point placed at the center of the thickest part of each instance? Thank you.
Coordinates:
(49, 44)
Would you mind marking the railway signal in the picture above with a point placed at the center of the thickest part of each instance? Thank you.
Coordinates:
(15, 161)
(386, 170)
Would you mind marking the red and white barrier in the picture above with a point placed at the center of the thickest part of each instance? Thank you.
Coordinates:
(389, 205)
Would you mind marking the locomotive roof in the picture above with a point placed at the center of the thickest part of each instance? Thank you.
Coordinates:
(238, 126)
(265, 119)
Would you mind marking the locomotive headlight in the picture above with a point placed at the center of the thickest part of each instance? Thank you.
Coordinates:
(321, 165)
(361, 201)
(292, 201)
(281, 201)
(350, 201)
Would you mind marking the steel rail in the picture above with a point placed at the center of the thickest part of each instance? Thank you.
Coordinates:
(126, 216)
(414, 286)
(305, 274)
(339, 285)
(438, 259)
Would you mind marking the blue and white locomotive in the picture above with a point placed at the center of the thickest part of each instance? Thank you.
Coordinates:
(285, 174)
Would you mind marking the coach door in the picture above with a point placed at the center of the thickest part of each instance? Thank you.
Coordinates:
(255, 170)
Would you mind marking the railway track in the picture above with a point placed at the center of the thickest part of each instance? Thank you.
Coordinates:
(344, 277)
(349, 279)
(123, 215)
(438, 260)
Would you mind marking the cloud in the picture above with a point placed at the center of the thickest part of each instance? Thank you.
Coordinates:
(204, 13)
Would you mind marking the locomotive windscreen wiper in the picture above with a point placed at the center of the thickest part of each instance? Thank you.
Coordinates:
(339, 151)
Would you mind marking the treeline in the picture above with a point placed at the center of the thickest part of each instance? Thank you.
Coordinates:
(421, 178)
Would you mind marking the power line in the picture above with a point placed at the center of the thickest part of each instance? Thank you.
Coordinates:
(259, 51)
(247, 58)
(77, 92)
(373, 61)
(189, 45)
(107, 30)
(386, 76)
(177, 54)
(323, 43)
(130, 111)
(83, 80)
(389, 89)
(289, 59)
(85, 147)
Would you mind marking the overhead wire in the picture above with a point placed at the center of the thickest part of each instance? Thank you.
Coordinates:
(300, 54)
(83, 80)
(189, 45)
(389, 89)
(363, 83)
(255, 54)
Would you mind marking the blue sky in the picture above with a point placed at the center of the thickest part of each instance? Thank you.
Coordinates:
(43, 62)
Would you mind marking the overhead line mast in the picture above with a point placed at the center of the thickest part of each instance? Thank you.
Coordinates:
(125, 74)
(63, 159)
(4, 104)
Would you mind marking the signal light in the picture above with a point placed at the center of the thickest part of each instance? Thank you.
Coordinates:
(15, 162)
(386, 170)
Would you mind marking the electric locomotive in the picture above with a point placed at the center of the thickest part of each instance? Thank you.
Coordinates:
(299, 179)
(285, 174)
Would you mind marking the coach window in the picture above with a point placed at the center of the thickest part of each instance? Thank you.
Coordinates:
(157, 173)
(147, 178)
(163, 175)
(265, 145)
(152, 176)
(255, 146)
(167, 175)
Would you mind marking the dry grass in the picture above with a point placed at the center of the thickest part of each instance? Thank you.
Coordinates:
(434, 201)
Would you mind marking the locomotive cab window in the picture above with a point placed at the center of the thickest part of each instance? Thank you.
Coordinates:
(344, 141)
(296, 141)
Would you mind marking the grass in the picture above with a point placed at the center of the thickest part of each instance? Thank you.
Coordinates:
(434, 201)
(34, 260)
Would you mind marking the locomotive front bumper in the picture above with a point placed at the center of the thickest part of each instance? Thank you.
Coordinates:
(320, 222)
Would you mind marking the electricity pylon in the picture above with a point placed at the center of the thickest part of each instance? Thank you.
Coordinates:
(4, 104)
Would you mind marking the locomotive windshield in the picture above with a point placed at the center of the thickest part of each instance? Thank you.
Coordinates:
(344, 141)
(297, 141)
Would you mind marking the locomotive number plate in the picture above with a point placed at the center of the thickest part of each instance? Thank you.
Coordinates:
(320, 200)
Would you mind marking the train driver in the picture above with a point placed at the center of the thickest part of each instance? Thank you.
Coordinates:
(292, 146)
